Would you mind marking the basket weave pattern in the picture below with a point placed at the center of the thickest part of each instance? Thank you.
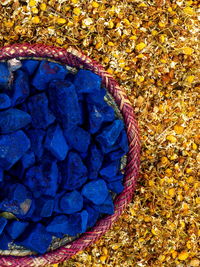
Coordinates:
(76, 59)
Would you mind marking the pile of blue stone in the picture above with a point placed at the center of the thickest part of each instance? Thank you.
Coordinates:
(60, 151)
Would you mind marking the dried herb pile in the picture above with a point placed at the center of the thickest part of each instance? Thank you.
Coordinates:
(152, 49)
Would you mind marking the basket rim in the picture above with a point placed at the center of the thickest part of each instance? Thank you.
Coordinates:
(73, 57)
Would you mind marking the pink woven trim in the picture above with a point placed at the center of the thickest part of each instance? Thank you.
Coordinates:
(75, 58)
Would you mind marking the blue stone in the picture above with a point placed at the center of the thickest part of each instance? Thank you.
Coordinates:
(110, 134)
(71, 202)
(110, 169)
(73, 171)
(46, 207)
(115, 155)
(78, 138)
(123, 141)
(16, 228)
(1, 175)
(5, 101)
(107, 207)
(18, 192)
(36, 137)
(3, 222)
(87, 82)
(95, 160)
(46, 72)
(55, 142)
(12, 147)
(42, 179)
(20, 88)
(71, 225)
(27, 160)
(5, 239)
(113, 178)
(96, 191)
(34, 180)
(36, 239)
(50, 172)
(4, 76)
(13, 119)
(116, 186)
(30, 65)
(42, 117)
(64, 103)
(95, 118)
(93, 216)
(96, 97)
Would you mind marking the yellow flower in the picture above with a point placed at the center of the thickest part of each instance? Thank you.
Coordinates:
(140, 46)
(183, 255)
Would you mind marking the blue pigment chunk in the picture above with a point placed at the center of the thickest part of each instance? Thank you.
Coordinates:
(71, 202)
(16, 228)
(12, 147)
(5, 101)
(110, 169)
(123, 141)
(107, 207)
(64, 103)
(96, 97)
(55, 142)
(3, 222)
(116, 186)
(36, 137)
(30, 65)
(93, 216)
(42, 117)
(27, 160)
(73, 171)
(109, 134)
(4, 75)
(5, 239)
(95, 160)
(20, 88)
(113, 178)
(95, 118)
(42, 179)
(71, 225)
(78, 138)
(46, 205)
(96, 191)
(13, 119)
(46, 72)
(87, 82)
(1, 175)
(36, 239)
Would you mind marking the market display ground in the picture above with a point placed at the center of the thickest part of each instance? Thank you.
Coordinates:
(152, 49)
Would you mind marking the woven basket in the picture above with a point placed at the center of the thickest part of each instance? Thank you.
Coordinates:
(76, 59)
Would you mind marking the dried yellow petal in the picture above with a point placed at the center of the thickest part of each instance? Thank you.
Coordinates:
(103, 258)
(95, 4)
(190, 78)
(36, 20)
(178, 129)
(35, 10)
(111, 44)
(171, 138)
(171, 192)
(61, 21)
(32, 3)
(140, 46)
(197, 200)
(183, 255)
(77, 11)
(187, 50)
(189, 11)
(43, 6)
